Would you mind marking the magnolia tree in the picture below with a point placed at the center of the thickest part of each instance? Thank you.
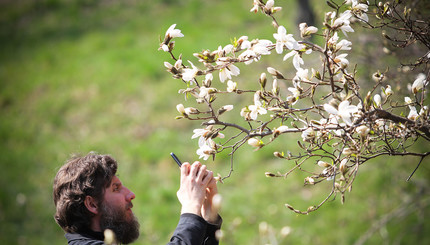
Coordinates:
(341, 125)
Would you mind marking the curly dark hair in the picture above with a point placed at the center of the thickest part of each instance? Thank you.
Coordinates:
(77, 178)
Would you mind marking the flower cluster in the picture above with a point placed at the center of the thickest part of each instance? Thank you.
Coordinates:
(341, 126)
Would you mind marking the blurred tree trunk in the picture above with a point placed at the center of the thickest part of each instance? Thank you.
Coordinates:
(305, 13)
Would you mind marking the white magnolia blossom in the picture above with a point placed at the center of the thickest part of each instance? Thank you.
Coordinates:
(302, 75)
(253, 53)
(189, 74)
(341, 60)
(360, 9)
(231, 86)
(408, 100)
(256, 109)
(205, 135)
(308, 134)
(419, 83)
(205, 151)
(342, 22)
(177, 65)
(339, 45)
(345, 111)
(270, 4)
(297, 59)
(172, 32)
(255, 6)
(296, 90)
(388, 91)
(204, 93)
(228, 71)
(208, 79)
(413, 114)
(306, 30)
(282, 39)
(243, 42)
(229, 48)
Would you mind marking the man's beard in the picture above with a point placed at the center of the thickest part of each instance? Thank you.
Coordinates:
(126, 231)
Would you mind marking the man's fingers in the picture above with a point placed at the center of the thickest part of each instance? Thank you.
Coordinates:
(195, 168)
(202, 172)
(185, 169)
(208, 177)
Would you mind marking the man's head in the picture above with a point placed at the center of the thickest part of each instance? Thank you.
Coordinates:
(88, 196)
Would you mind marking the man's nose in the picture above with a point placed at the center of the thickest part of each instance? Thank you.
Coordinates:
(130, 195)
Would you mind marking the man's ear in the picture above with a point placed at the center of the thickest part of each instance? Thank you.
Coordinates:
(91, 204)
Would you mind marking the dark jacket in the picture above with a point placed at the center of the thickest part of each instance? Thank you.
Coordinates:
(191, 230)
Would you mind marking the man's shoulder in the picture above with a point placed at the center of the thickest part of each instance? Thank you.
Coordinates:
(80, 239)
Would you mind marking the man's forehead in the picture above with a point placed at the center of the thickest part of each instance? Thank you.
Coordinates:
(115, 180)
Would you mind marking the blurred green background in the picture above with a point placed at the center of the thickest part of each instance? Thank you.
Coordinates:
(80, 76)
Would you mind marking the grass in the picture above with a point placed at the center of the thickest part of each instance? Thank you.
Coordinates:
(80, 76)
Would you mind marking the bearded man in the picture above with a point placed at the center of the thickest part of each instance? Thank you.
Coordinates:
(90, 199)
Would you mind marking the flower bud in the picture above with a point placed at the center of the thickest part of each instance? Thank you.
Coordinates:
(323, 164)
(377, 100)
(181, 109)
(275, 87)
(388, 90)
(263, 80)
(269, 174)
(342, 166)
(168, 65)
(191, 110)
(311, 208)
(419, 83)
(309, 180)
(275, 73)
(278, 154)
(408, 100)
(363, 130)
(280, 130)
(224, 109)
(347, 151)
(255, 142)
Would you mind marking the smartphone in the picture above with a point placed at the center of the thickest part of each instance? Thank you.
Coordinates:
(176, 159)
